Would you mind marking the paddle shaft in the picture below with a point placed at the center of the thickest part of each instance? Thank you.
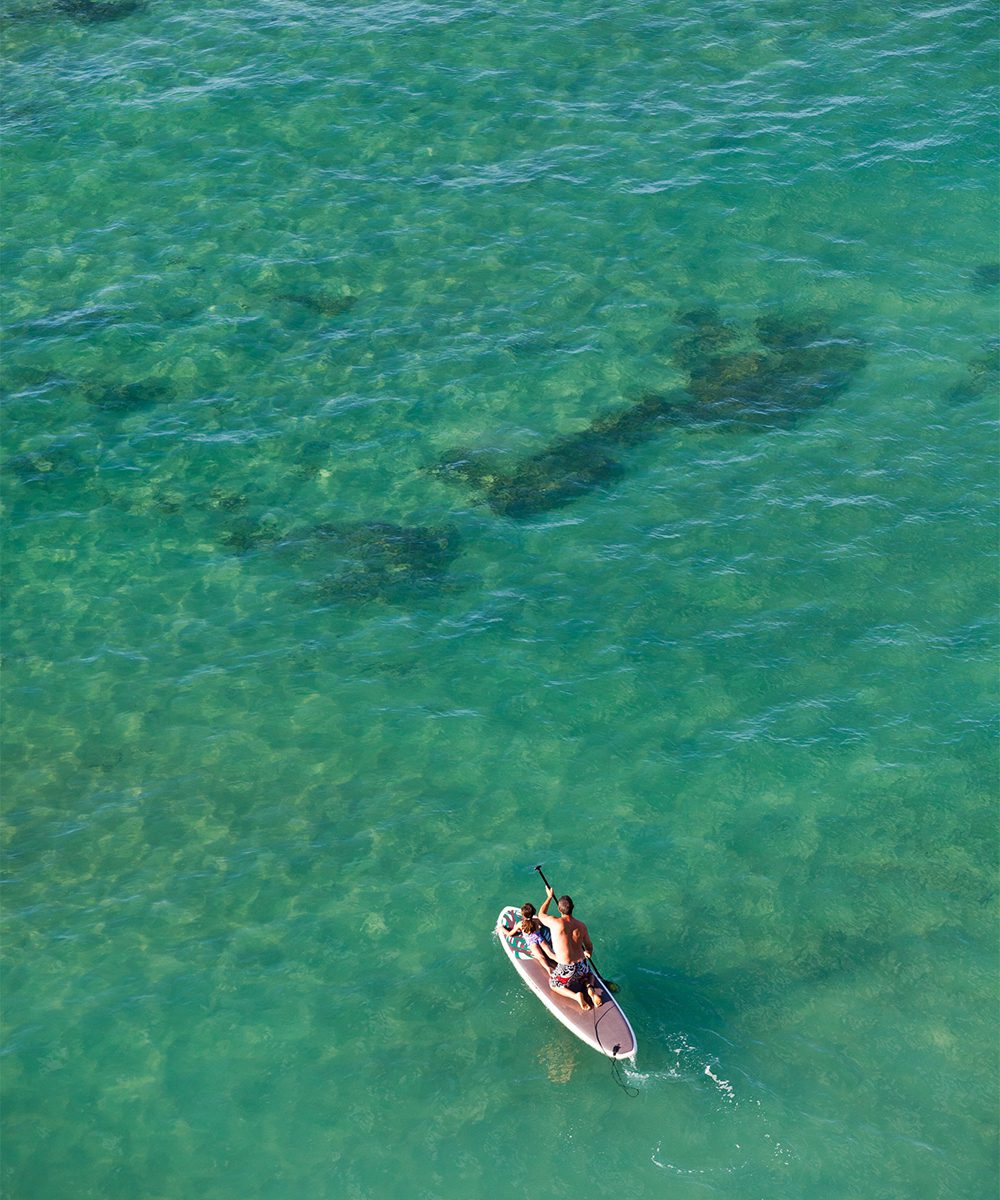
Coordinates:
(544, 880)
(592, 963)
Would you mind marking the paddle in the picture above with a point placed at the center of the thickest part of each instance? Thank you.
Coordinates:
(608, 983)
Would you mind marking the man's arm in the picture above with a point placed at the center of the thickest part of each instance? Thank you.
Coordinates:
(542, 914)
(588, 945)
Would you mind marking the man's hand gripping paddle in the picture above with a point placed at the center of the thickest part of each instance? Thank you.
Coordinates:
(608, 983)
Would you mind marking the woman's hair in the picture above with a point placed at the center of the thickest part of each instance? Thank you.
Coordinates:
(529, 922)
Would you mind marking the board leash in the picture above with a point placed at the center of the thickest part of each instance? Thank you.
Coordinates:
(619, 1077)
(616, 1063)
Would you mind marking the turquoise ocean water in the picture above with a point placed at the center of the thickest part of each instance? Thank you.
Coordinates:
(442, 437)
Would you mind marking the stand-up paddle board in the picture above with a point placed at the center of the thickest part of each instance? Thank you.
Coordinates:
(604, 1029)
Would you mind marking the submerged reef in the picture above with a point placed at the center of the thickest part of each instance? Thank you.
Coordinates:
(762, 376)
(767, 376)
(323, 303)
(43, 466)
(220, 499)
(388, 563)
(247, 535)
(126, 397)
(105, 394)
(357, 561)
(93, 12)
(567, 468)
(982, 377)
(986, 276)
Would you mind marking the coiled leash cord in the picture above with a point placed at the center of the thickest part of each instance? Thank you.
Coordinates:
(618, 1075)
(616, 1064)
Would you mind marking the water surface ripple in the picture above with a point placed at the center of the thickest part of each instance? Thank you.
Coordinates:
(441, 438)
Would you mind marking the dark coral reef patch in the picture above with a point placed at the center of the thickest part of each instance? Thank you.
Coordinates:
(982, 377)
(769, 376)
(50, 465)
(124, 398)
(986, 276)
(357, 561)
(569, 467)
(96, 12)
(323, 303)
(247, 535)
(765, 376)
(385, 562)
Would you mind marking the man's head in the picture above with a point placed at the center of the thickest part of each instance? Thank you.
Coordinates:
(565, 906)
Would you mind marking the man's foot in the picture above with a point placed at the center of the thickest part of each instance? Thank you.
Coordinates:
(584, 1003)
(597, 997)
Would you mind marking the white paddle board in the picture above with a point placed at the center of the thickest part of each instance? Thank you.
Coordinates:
(604, 1029)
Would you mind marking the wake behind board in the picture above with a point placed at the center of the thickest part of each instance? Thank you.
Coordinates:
(605, 1029)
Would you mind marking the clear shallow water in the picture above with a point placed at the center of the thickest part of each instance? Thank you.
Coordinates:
(290, 714)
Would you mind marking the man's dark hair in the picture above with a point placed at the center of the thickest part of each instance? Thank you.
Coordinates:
(565, 905)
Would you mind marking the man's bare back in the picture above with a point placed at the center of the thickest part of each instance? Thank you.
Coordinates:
(571, 944)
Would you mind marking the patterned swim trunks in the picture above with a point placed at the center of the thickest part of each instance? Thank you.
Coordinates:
(572, 975)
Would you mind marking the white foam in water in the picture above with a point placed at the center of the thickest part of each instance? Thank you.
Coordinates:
(689, 1063)
(723, 1085)
(689, 1171)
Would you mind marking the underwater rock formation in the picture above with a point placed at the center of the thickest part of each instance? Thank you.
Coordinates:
(220, 499)
(126, 397)
(94, 12)
(358, 561)
(389, 563)
(556, 476)
(767, 376)
(97, 756)
(249, 534)
(983, 377)
(325, 304)
(49, 465)
(311, 458)
(986, 276)
(703, 332)
(567, 468)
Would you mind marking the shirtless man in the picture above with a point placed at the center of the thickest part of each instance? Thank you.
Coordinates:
(572, 947)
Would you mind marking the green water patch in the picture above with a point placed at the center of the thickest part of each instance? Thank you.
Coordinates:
(281, 701)
(76, 322)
